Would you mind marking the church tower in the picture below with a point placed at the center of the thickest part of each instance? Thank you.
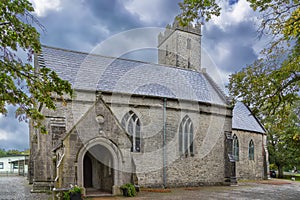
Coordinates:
(180, 46)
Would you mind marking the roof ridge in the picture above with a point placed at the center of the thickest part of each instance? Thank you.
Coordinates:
(244, 119)
(216, 87)
(112, 57)
(252, 114)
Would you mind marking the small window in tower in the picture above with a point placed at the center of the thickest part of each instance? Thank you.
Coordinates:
(167, 52)
(188, 43)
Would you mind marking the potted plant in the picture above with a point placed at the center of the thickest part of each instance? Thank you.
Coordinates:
(74, 193)
(128, 190)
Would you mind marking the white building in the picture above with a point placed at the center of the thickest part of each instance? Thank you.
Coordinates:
(15, 164)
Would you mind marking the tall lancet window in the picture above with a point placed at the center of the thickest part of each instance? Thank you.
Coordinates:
(251, 150)
(235, 148)
(132, 125)
(186, 136)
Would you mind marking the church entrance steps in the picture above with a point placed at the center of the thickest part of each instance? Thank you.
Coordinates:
(94, 192)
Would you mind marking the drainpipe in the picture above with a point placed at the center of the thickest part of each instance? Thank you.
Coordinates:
(164, 143)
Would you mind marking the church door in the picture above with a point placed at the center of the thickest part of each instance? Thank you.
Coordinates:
(98, 170)
(88, 172)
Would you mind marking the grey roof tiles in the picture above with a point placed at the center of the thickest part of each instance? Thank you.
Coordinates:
(99, 73)
(243, 119)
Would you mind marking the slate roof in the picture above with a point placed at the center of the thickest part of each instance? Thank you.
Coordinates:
(100, 73)
(243, 119)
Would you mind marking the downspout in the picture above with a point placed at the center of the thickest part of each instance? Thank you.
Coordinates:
(264, 157)
(265, 152)
(164, 143)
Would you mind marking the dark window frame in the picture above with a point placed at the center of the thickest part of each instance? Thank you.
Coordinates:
(131, 123)
(235, 148)
(186, 137)
(251, 150)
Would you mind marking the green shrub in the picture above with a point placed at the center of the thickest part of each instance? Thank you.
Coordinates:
(73, 190)
(128, 190)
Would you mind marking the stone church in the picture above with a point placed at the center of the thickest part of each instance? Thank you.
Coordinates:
(154, 125)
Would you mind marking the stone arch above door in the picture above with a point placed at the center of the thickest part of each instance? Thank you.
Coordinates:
(116, 158)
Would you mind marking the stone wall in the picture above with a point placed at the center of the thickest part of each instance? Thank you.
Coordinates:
(206, 166)
(101, 121)
(245, 168)
(42, 167)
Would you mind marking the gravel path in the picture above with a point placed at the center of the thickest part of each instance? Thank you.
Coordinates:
(263, 190)
(17, 188)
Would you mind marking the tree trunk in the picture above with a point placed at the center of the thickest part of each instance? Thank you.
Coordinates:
(280, 172)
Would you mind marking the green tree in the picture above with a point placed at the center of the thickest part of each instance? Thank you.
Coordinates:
(2, 152)
(13, 152)
(284, 139)
(26, 152)
(269, 84)
(22, 85)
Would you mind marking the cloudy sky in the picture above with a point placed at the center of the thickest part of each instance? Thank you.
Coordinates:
(228, 42)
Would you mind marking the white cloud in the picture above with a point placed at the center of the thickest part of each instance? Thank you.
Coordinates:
(233, 14)
(223, 52)
(155, 11)
(145, 9)
(3, 135)
(231, 39)
(42, 7)
(129, 41)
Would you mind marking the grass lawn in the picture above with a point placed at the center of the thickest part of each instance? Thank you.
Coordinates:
(288, 176)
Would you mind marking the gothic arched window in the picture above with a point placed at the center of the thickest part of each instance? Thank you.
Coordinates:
(132, 125)
(251, 150)
(188, 43)
(235, 148)
(186, 136)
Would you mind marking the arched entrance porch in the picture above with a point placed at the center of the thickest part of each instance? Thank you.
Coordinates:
(97, 170)
(98, 164)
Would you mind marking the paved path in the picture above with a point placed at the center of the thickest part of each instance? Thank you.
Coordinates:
(17, 188)
(263, 190)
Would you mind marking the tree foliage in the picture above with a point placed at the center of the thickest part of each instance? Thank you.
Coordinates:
(12, 152)
(278, 16)
(198, 10)
(272, 83)
(284, 138)
(268, 85)
(21, 84)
